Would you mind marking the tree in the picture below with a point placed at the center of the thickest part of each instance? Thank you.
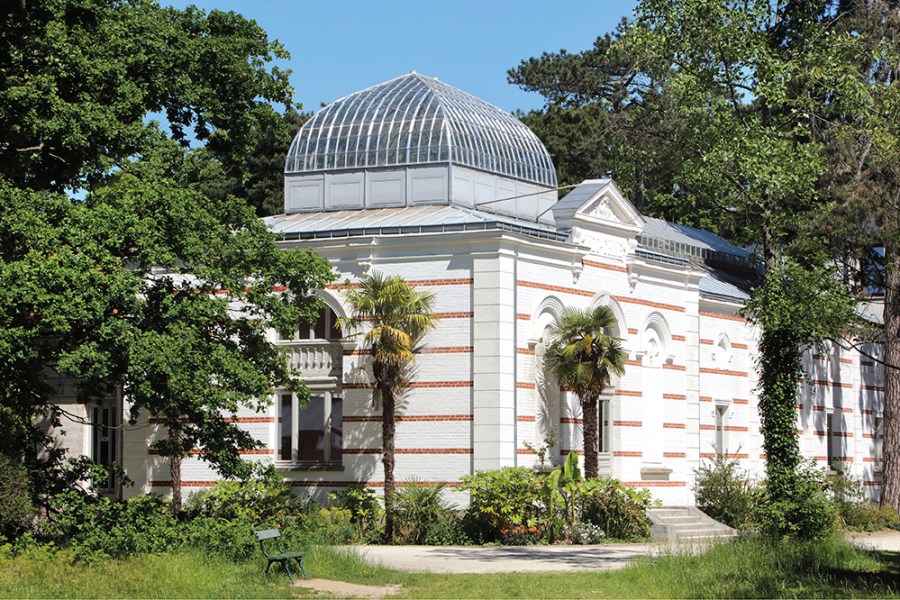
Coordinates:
(397, 316)
(743, 83)
(861, 134)
(156, 279)
(584, 357)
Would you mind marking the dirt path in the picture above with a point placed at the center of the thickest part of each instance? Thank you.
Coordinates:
(342, 589)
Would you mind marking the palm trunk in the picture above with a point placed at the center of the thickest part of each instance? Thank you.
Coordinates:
(591, 431)
(387, 444)
(890, 450)
(175, 469)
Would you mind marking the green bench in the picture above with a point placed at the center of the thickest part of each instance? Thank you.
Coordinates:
(281, 556)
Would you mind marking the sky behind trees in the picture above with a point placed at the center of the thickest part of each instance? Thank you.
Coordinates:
(339, 47)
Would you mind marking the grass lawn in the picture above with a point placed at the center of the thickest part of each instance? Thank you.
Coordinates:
(745, 568)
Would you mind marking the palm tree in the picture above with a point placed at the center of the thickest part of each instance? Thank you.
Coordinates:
(583, 357)
(397, 316)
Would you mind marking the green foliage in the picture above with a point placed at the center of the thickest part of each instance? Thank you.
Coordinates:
(585, 533)
(16, 509)
(618, 510)
(419, 507)
(447, 530)
(230, 538)
(256, 500)
(725, 493)
(500, 499)
(97, 527)
(854, 512)
(363, 505)
(801, 510)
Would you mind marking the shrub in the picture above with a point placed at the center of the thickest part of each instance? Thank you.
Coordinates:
(364, 508)
(585, 533)
(447, 531)
(724, 492)
(256, 500)
(500, 499)
(97, 527)
(418, 508)
(232, 538)
(853, 510)
(16, 509)
(618, 510)
(806, 514)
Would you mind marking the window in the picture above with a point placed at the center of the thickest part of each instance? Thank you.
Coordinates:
(605, 431)
(721, 432)
(103, 443)
(325, 328)
(878, 427)
(833, 441)
(310, 434)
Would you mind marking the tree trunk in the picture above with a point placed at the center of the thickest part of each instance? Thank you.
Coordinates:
(590, 435)
(175, 469)
(890, 450)
(387, 445)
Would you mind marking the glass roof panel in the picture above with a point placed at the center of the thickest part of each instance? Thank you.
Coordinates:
(415, 119)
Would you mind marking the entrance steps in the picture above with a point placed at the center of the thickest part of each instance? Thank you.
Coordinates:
(686, 524)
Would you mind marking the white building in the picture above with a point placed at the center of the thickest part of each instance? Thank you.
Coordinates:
(417, 178)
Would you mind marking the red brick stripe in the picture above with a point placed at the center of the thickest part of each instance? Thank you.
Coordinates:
(524, 385)
(409, 451)
(168, 483)
(632, 331)
(674, 455)
(678, 338)
(628, 423)
(738, 346)
(628, 453)
(723, 372)
(453, 315)
(528, 351)
(739, 428)
(655, 483)
(707, 428)
(628, 300)
(705, 398)
(445, 350)
(406, 418)
(873, 388)
(633, 363)
(554, 288)
(706, 342)
(674, 426)
(600, 265)
(249, 452)
(832, 383)
(526, 419)
(160, 420)
(523, 317)
(674, 397)
(415, 384)
(674, 367)
(371, 484)
(629, 393)
(740, 401)
(571, 420)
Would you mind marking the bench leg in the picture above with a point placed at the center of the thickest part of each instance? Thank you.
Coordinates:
(302, 570)
(287, 570)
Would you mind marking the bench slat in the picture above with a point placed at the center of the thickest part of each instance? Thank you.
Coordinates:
(267, 534)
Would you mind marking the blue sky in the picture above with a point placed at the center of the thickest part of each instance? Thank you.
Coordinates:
(339, 47)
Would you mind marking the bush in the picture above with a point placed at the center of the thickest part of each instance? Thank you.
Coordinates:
(256, 500)
(500, 499)
(618, 510)
(16, 509)
(447, 531)
(854, 512)
(234, 539)
(585, 533)
(418, 508)
(725, 493)
(97, 527)
(364, 508)
(806, 514)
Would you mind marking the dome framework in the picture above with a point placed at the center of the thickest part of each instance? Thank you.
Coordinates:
(416, 120)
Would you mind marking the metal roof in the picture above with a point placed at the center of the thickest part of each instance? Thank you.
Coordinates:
(721, 285)
(396, 221)
(414, 119)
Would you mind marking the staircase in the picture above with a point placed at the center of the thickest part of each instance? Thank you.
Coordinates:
(686, 524)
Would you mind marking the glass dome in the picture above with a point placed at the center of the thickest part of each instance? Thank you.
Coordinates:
(413, 120)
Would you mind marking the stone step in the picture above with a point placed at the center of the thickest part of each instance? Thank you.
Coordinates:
(667, 513)
(678, 520)
(677, 524)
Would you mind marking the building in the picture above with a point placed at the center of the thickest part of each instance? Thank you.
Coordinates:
(417, 178)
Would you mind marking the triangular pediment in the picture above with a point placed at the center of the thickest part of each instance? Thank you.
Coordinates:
(598, 204)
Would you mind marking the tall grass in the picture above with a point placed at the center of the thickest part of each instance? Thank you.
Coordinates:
(745, 568)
